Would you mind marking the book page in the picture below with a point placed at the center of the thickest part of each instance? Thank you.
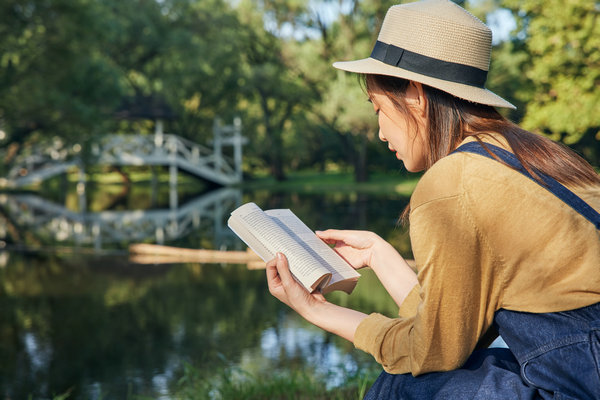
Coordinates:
(324, 254)
(239, 228)
(274, 238)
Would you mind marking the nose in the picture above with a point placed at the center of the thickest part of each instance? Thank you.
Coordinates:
(381, 137)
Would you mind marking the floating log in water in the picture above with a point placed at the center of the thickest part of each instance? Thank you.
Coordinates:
(142, 253)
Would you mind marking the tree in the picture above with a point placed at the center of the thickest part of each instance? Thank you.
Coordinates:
(341, 110)
(68, 65)
(200, 69)
(53, 80)
(273, 92)
(557, 43)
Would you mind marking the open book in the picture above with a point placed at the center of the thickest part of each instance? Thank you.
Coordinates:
(312, 262)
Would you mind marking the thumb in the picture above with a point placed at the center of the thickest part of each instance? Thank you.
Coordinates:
(283, 268)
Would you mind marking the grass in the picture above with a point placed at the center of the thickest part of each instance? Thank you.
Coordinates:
(298, 181)
(135, 174)
(232, 383)
(318, 182)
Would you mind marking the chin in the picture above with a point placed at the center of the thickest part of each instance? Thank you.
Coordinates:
(413, 168)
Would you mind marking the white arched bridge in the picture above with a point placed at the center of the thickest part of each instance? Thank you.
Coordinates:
(46, 160)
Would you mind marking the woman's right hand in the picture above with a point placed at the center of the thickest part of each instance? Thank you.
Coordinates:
(356, 247)
(363, 248)
(312, 306)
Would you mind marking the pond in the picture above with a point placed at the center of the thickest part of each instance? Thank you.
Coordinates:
(79, 316)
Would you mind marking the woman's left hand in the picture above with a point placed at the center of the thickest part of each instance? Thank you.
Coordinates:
(284, 287)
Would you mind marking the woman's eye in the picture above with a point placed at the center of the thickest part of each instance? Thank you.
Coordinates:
(376, 109)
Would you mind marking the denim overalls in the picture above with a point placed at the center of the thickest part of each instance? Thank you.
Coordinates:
(550, 356)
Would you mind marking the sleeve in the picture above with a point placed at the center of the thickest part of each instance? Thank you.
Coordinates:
(455, 306)
(408, 308)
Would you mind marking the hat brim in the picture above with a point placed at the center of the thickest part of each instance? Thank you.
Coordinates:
(466, 92)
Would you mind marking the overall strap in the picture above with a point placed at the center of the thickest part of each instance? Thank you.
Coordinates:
(551, 184)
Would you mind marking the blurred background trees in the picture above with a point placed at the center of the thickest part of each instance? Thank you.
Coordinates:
(559, 41)
(73, 68)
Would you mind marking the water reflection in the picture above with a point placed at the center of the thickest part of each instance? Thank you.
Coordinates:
(294, 341)
(51, 223)
(101, 327)
(69, 322)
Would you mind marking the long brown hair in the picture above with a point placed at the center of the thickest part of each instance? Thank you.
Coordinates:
(451, 120)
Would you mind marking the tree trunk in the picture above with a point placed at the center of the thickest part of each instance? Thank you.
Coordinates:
(274, 140)
(361, 173)
(277, 167)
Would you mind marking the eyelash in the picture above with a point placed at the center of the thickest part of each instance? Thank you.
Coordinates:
(377, 111)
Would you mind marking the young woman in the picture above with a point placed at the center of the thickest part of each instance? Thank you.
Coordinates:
(504, 230)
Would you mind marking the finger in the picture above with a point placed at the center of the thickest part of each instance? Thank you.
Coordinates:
(273, 278)
(330, 236)
(283, 268)
(271, 268)
(338, 235)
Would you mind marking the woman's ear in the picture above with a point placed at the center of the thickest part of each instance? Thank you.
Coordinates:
(415, 97)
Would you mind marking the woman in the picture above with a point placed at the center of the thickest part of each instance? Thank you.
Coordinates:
(499, 241)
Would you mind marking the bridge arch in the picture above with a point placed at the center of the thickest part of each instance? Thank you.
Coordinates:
(176, 152)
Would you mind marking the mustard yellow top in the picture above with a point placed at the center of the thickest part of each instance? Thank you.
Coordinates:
(484, 237)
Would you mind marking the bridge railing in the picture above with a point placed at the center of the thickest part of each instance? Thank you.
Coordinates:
(54, 224)
(41, 157)
(198, 155)
(46, 160)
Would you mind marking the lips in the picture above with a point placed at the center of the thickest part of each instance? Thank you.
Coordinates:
(394, 151)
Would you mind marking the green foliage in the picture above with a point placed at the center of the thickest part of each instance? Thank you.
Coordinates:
(200, 69)
(340, 113)
(233, 383)
(69, 67)
(52, 76)
(556, 51)
(270, 90)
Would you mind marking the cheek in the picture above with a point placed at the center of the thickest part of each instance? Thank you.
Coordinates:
(419, 155)
(386, 129)
(396, 134)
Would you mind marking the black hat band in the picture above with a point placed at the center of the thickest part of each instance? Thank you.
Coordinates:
(432, 67)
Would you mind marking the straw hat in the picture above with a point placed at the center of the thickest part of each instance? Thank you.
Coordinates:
(437, 43)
